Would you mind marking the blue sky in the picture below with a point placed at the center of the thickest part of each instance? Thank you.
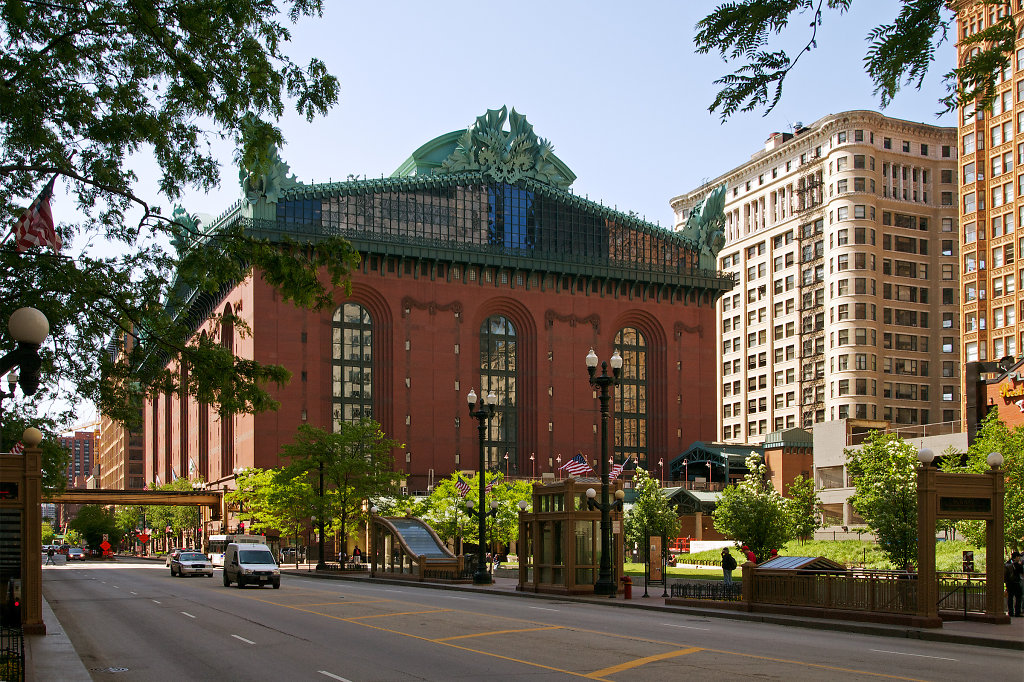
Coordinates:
(616, 87)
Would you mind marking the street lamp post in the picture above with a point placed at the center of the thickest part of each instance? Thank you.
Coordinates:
(29, 328)
(482, 411)
(321, 565)
(661, 465)
(533, 466)
(605, 584)
(558, 463)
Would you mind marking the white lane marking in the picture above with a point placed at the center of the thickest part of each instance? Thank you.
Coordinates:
(333, 676)
(247, 641)
(187, 614)
(133, 592)
(398, 591)
(688, 627)
(900, 653)
(541, 608)
(155, 601)
(467, 598)
(115, 587)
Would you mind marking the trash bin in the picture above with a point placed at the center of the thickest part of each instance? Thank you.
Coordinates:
(627, 587)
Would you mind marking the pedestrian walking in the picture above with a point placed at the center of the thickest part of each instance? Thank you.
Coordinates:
(1013, 579)
(728, 565)
(49, 556)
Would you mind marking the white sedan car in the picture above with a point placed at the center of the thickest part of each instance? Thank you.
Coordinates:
(191, 563)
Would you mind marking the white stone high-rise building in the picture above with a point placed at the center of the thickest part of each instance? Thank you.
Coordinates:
(842, 237)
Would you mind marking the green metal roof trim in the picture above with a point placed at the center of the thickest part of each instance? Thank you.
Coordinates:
(790, 438)
(503, 155)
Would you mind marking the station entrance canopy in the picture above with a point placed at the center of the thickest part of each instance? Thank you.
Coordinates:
(214, 499)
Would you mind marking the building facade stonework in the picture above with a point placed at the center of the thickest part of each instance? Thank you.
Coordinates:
(479, 270)
(842, 238)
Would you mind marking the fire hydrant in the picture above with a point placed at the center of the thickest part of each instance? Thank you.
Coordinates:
(627, 587)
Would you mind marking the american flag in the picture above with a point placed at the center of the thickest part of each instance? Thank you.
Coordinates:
(18, 448)
(35, 226)
(617, 469)
(487, 488)
(461, 486)
(577, 465)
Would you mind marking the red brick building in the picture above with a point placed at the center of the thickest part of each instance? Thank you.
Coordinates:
(479, 270)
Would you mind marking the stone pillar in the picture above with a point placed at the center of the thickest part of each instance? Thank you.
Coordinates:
(994, 602)
(927, 589)
(32, 538)
(698, 531)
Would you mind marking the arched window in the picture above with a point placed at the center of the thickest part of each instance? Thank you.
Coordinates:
(631, 398)
(498, 374)
(352, 370)
(227, 421)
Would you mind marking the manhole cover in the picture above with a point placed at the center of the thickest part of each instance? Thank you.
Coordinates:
(111, 669)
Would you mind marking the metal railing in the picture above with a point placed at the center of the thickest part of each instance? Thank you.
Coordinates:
(12, 654)
(962, 592)
(711, 591)
(880, 592)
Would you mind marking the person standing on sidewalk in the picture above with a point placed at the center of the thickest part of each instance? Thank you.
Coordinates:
(728, 565)
(1013, 578)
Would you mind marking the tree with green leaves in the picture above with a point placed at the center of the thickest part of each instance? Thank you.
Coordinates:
(93, 521)
(805, 507)
(87, 89)
(883, 470)
(47, 533)
(900, 53)
(272, 500)
(651, 514)
(754, 513)
(55, 457)
(995, 436)
(357, 465)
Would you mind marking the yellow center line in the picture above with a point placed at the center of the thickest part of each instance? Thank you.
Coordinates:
(353, 621)
(333, 603)
(496, 632)
(400, 613)
(598, 674)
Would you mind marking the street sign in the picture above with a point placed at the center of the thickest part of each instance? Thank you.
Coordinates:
(104, 545)
(143, 538)
(105, 537)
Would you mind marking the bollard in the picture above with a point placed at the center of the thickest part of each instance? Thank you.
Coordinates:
(627, 587)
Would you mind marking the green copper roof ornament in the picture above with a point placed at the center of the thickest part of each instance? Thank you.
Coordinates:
(270, 182)
(505, 156)
(706, 228)
(185, 229)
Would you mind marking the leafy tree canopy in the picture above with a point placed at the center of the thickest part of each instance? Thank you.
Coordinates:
(753, 513)
(994, 436)
(87, 89)
(805, 507)
(899, 54)
(884, 477)
(357, 466)
(651, 514)
(92, 522)
(445, 508)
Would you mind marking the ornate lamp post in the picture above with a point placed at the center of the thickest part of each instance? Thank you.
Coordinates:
(482, 411)
(661, 465)
(558, 463)
(686, 473)
(533, 466)
(29, 328)
(605, 584)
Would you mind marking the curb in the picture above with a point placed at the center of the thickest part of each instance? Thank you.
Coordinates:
(814, 624)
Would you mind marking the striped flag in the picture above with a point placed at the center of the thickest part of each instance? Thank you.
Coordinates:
(577, 465)
(487, 488)
(35, 226)
(617, 469)
(461, 486)
(18, 448)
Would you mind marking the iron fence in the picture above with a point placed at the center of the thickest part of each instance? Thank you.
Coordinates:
(12, 654)
(962, 592)
(711, 591)
(886, 592)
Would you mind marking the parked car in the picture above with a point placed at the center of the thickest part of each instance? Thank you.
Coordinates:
(250, 564)
(173, 555)
(187, 562)
(76, 553)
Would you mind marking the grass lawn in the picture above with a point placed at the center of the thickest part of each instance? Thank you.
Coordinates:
(948, 554)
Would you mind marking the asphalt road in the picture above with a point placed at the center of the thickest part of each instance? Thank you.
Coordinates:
(132, 621)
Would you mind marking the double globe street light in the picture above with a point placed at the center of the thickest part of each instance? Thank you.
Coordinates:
(29, 328)
(482, 410)
(605, 584)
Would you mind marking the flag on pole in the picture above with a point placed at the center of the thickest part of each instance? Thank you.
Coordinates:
(577, 465)
(487, 488)
(617, 469)
(461, 486)
(18, 448)
(35, 226)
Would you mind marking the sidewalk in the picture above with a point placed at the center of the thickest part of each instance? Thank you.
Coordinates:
(955, 632)
(51, 656)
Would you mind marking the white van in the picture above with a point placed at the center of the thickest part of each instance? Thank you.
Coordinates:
(250, 564)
